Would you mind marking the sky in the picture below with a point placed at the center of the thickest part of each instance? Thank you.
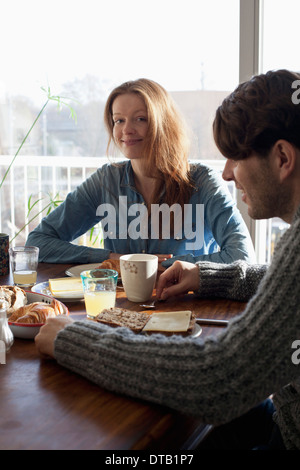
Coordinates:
(184, 45)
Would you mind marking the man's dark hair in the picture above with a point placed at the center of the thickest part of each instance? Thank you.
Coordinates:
(257, 114)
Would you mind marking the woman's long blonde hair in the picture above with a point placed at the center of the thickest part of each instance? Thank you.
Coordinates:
(167, 142)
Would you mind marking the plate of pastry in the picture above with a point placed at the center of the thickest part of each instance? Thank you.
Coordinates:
(28, 311)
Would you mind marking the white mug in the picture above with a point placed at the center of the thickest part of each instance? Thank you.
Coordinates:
(138, 272)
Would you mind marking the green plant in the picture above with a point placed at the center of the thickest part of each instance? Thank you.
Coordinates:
(100, 234)
(53, 202)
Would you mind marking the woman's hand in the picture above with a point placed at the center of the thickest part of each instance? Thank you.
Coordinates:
(44, 340)
(114, 256)
(179, 278)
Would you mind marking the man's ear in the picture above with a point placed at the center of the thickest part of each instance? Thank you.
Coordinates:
(284, 155)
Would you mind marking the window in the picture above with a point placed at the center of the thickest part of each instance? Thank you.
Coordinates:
(198, 50)
(278, 50)
(280, 35)
(84, 49)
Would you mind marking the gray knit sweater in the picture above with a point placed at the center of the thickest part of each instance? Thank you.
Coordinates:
(218, 378)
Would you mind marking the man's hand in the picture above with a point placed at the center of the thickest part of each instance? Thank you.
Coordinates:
(44, 340)
(162, 258)
(179, 278)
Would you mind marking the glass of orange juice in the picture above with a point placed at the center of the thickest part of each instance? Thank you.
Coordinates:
(99, 288)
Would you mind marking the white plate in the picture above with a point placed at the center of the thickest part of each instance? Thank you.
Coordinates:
(27, 330)
(197, 330)
(76, 270)
(43, 288)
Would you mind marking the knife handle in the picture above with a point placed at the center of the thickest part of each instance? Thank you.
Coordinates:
(212, 321)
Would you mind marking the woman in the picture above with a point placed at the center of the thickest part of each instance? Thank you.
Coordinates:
(155, 202)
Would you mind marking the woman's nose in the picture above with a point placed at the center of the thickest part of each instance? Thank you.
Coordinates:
(128, 128)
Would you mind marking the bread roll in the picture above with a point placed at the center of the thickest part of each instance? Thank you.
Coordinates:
(111, 264)
(14, 296)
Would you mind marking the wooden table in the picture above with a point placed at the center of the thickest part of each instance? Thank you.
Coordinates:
(44, 406)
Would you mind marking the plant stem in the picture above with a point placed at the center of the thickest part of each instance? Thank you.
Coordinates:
(29, 221)
(22, 143)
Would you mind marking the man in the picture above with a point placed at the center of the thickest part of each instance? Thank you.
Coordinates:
(226, 382)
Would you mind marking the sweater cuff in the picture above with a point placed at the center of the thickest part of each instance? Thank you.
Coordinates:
(215, 279)
(238, 280)
(98, 255)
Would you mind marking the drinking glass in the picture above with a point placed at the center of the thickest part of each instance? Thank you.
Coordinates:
(4, 254)
(99, 287)
(24, 262)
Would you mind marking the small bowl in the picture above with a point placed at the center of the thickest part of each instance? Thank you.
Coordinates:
(30, 330)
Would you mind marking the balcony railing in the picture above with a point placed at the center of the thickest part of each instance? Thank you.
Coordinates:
(37, 177)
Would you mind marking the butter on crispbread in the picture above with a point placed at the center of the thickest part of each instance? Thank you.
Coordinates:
(170, 322)
(158, 322)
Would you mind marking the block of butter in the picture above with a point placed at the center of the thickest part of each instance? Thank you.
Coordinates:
(169, 321)
(65, 287)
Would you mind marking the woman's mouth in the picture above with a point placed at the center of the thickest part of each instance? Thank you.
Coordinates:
(130, 142)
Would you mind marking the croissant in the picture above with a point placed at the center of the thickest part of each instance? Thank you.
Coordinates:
(37, 312)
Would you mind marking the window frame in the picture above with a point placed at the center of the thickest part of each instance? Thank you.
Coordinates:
(250, 63)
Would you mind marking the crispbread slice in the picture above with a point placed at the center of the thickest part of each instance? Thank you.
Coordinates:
(122, 317)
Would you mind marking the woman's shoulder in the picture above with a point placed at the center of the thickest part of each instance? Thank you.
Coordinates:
(107, 175)
(208, 180)
(110, 171)
(113, 168)
(203, 171)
